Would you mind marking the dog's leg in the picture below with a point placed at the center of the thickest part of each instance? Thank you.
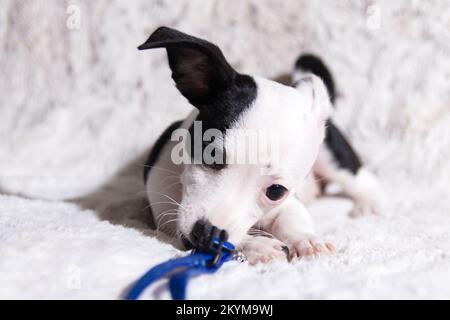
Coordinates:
(262, 249)
(362, 186)
(292, 224)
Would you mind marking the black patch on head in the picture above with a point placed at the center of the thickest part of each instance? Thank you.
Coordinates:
(206, 79)
(342, 151)
(158, 146)
(313, 64)
(229, 104)
(225, 110)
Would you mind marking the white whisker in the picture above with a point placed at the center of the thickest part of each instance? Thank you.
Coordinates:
(163, 202)
(173, 184)
(166, 213)
(164, 195)
(167, 222)
(259, 232)
(166, 178)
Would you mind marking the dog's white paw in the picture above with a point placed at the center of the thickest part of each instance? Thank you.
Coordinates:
(257, 249)
(366, 208)
(369, 204)
(309, 247)
(369, 196)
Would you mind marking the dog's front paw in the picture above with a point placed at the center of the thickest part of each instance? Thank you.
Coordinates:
(309, 247)
(262, 249)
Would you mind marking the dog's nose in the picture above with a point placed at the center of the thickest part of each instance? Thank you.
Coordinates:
(203, 233)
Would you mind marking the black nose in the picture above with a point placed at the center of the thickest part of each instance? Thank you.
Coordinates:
(203, 234)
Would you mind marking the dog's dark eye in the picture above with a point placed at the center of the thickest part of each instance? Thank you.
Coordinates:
(275, 192)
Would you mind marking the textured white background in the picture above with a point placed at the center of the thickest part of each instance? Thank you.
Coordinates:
(78, 108)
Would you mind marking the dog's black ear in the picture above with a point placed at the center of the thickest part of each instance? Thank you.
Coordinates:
(199, 68)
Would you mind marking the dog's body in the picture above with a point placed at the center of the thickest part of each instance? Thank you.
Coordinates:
(261, 204)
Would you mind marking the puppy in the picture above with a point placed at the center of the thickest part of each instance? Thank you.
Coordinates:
(210, 169)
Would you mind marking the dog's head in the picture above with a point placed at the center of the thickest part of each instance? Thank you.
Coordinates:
(262, 137)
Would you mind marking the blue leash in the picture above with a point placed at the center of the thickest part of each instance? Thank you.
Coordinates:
(206, 260)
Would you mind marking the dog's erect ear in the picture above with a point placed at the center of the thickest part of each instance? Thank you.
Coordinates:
(199, 68)
(313, 87)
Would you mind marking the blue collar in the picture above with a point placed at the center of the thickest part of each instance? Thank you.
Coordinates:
(180, 270)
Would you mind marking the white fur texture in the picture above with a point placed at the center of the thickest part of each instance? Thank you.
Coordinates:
(76, 106)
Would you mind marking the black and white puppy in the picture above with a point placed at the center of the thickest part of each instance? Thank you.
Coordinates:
(207, 171)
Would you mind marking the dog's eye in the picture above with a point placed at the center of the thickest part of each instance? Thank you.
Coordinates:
(276, 192)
